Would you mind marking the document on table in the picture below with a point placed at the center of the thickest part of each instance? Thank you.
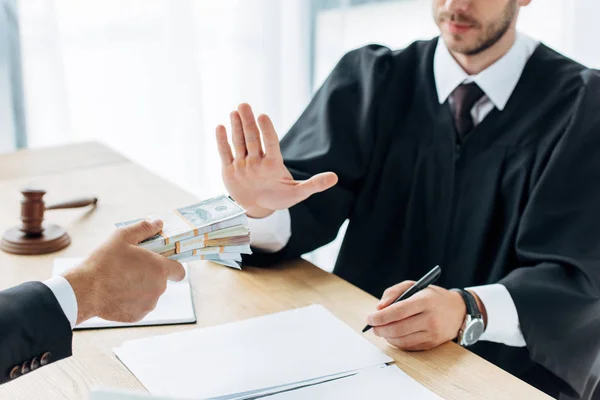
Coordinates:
(250, 358)
(175, 306)
(387, 382)
(105, 394)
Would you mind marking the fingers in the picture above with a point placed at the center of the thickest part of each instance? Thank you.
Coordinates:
(413, 342)
(223, 146)
(270, 138)
(251, 132)
(397, 312)
(136, 233)
(317, 183)
(392, 293)
(175, 271)
(246, 136)
(237, 135)
(398, 329)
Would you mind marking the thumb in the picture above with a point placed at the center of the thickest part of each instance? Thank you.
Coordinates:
(136, 233)
(176, 271)
(392, 293)
(318, 183)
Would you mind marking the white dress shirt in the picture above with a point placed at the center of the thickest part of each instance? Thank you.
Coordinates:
(497, 82)
(66, 297)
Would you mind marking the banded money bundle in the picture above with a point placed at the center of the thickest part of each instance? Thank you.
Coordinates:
(215, 229)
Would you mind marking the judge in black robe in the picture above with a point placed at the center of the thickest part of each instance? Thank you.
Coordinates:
(517, 202)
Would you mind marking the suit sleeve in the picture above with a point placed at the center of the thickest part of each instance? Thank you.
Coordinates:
(558, 294)
(34, 330)
(335, 133)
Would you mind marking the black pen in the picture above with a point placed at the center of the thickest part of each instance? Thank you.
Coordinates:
(421, 284)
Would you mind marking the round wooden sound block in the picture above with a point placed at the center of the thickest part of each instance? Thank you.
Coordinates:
(52, 239)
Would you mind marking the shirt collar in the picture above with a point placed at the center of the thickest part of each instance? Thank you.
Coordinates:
(497, 81)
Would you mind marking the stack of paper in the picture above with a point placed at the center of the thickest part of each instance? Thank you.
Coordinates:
(175, 306)
(250, 358)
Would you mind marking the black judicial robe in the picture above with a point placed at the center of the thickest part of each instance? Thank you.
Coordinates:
(516, 203)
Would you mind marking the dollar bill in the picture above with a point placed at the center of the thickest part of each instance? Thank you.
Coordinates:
(162, 240)
(135, 221)
(214, 230)
(207, 216)
(199, 243)
(229, 263)
(189, 256)
(127, 223)
(167, 248)
(242, 249)
(238, 230)
(235, 235)
(168, 253)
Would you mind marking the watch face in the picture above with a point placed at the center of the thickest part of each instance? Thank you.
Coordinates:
(472, 332)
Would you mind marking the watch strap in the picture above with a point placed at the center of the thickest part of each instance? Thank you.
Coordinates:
(470, 302)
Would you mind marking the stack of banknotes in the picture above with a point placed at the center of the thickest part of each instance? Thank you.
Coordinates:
(215, 229)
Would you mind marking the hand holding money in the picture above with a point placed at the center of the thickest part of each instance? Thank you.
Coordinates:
(257, 179)
(214, 229)
(120, 281)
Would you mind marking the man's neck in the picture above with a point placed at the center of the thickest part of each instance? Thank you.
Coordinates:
(474, 64)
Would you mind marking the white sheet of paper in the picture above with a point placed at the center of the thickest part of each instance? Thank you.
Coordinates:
(175, 306)
(105, 394)
(387, 382)
(376, 383)
(236, 358)
(282, 388)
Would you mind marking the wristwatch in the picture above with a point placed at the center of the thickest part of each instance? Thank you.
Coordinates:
(473, 325)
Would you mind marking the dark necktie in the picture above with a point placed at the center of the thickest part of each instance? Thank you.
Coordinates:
(465, 96)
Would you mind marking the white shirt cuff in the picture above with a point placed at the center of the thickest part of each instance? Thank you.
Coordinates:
(62, 290)
(271, 233)
(502, 317)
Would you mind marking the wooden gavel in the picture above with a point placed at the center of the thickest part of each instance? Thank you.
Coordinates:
(33, 237)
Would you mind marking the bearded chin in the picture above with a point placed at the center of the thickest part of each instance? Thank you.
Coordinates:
(488, 40)
(491, 35)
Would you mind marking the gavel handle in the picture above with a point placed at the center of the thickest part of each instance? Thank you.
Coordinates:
(75, 203)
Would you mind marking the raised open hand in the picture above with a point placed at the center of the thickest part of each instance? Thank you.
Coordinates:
(256, 178)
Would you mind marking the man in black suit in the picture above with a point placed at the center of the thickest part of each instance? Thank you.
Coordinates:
(118, 281)
(476, 150)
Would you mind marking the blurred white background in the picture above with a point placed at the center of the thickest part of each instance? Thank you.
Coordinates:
(152, 78)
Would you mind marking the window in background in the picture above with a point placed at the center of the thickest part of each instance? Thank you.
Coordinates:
(353, 24)
(12, 119)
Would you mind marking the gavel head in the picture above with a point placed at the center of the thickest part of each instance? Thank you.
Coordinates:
(32, 211)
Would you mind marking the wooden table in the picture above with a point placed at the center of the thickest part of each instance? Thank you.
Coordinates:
(126, 191)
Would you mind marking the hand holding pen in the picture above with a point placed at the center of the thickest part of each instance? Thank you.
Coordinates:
(412, 318)
(421, 284)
